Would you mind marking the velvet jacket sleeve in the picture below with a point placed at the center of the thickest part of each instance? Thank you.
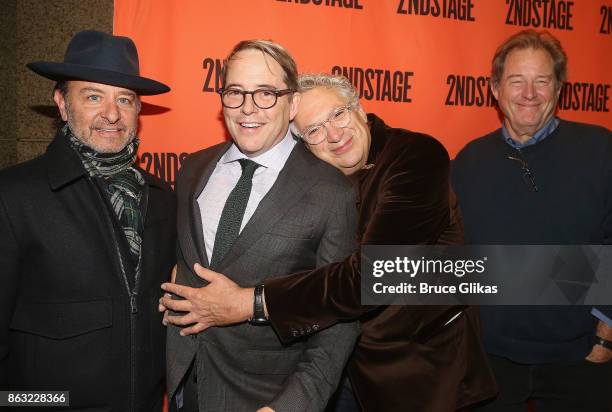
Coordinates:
(404, 200)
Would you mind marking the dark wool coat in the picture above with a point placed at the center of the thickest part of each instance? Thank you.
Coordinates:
(67, 321)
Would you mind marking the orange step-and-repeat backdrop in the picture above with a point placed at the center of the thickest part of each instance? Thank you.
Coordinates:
(419, 64)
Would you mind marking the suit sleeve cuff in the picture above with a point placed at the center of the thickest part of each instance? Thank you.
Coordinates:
(601, 316)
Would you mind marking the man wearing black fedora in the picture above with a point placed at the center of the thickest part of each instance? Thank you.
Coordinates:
(86, 239)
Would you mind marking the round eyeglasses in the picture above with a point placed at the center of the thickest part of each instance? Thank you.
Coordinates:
(317, 133)
(263, 98)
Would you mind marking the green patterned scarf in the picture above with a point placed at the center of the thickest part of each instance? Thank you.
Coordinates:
(124, 186)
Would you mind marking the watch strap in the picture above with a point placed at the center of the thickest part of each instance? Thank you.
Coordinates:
(259, 315)
(603, 342)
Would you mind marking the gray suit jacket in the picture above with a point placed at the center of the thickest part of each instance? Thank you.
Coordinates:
(307, 219)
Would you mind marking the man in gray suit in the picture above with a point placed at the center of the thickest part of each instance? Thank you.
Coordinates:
(259, 205)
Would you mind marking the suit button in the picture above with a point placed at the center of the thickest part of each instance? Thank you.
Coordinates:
(315, 327)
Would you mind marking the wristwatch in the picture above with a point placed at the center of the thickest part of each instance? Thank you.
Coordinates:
(259, 316)
(603, 342)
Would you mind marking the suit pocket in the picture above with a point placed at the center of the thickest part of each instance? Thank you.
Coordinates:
(292, 230)
(261, 362)
(62, 320)
(65, 346)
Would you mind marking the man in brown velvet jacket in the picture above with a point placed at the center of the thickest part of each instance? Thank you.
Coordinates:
(423, 359)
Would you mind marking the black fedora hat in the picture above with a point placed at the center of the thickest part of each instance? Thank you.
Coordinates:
(101, 58)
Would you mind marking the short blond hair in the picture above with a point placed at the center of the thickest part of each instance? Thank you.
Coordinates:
(275, 51)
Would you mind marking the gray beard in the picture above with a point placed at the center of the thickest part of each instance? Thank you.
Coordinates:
(73, 130)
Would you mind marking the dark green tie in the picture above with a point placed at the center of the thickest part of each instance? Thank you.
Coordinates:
(233, 212)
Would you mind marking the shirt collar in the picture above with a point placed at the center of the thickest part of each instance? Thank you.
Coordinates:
(540, 135)
(274, 158)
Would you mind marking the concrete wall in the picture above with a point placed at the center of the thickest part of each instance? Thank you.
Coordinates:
(37, 30)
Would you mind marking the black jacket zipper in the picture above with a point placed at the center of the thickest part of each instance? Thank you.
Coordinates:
(132, 293)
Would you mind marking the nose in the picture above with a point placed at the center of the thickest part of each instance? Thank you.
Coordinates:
(334, 134)
(248, 106)
(529, 90)
(111, 112)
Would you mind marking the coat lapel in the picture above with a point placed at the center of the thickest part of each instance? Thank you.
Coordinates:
(64, 165)
(64, 170)
(191, 238)
(292, 182)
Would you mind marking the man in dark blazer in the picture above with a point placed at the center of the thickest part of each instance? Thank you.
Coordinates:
(86, 238)
(294, 212)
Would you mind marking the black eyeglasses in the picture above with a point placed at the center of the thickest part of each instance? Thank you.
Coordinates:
(527, 175)
(263, 98)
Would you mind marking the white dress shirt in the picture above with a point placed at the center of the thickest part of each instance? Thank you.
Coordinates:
(225, 176)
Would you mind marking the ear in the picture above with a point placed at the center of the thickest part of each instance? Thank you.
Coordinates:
(58, 97)
(138, 104)
(295, 102)
(495, 90)
(559, 88)
(294, 129)
(361, 112)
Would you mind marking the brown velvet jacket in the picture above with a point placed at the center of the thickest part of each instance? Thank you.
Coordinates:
(406, 359)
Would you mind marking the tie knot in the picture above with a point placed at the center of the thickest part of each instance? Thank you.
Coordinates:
(248, 167)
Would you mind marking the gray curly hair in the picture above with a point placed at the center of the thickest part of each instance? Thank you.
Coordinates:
(340, 84)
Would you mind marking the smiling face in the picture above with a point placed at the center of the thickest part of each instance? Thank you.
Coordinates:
(103, 117)
(255, 130)
(527, 92)
(345, 148)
